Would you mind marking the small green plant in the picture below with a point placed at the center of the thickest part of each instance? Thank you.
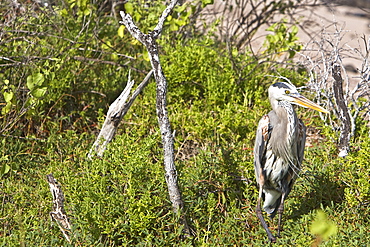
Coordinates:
(5, 168)
(322, 227)
(283, 40)
(8, 95)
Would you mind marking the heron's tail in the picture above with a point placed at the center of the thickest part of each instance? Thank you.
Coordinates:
(272, 202)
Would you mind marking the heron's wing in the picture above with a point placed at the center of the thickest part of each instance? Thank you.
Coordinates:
(262, 138)
(301, 140)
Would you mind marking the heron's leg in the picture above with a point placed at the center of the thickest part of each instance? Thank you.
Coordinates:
(260, 217)
(280, 212)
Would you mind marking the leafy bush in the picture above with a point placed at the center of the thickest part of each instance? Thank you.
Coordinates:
(72, 65)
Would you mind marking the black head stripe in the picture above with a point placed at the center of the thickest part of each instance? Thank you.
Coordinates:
(281, 85)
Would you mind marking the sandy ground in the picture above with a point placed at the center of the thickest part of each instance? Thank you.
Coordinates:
(352, 22)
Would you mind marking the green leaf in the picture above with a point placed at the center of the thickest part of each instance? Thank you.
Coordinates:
(114, 56)
(322, 226)
(294, 30)
(181, 8)
(174, 27)
(206, 2)
(120, 31)
(39, 92)
(129, 8)
(86, 12)
(63, 13)
(107, 45)
(8, 96)
(137, 16)
(6, 109)
(4, 169)
(146, 56)
(35, 80)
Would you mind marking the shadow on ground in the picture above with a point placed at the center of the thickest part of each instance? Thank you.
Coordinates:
(319, 191)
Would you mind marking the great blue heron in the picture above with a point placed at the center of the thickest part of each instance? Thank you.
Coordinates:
(278, 150)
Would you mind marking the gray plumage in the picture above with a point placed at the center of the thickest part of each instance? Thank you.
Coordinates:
(279, 149)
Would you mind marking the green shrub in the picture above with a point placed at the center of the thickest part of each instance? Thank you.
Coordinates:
(67, 70)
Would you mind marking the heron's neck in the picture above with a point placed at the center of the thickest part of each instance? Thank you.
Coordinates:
(287, 116)
(284, 132)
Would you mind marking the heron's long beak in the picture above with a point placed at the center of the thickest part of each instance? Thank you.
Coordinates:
(303, 101)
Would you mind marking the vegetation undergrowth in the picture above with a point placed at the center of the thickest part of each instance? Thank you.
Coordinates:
(215, 97)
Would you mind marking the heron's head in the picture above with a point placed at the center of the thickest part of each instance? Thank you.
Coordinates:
(283, 91)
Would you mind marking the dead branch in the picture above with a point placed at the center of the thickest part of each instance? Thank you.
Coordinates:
(346, 95)
(116, 111)
(344, 116)
(149, 41)
(58, 214)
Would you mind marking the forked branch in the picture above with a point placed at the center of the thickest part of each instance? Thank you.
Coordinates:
(149, 41)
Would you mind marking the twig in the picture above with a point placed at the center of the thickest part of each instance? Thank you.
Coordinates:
(58, 214)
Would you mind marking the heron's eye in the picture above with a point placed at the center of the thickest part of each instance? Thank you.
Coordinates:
(287, 92)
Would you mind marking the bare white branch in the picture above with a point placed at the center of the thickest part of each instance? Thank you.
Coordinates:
(149, 41)
(131, 27)
(347, 96)
(58, 214)
(158, 29)
(116, 112)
